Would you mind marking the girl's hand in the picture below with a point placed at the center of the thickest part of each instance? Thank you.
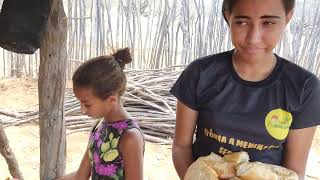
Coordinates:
(83, 172)
(297, 150)
(183, 137)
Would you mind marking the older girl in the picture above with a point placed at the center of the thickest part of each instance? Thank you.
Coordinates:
(248, 99)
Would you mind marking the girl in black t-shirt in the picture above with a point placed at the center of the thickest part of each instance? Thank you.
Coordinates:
(248, 99)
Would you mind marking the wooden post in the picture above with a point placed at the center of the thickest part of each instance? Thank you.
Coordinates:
(51, 84)
(8, 155)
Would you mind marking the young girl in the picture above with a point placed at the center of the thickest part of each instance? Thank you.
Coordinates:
(116, 145)
(248, 99)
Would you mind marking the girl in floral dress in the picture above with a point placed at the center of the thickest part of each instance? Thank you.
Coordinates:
(116, 145)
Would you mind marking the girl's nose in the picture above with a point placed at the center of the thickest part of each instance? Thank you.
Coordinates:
(254, 35)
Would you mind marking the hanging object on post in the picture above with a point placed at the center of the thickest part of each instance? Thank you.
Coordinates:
(23, 24)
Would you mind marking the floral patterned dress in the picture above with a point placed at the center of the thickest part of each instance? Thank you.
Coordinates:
(106, 160)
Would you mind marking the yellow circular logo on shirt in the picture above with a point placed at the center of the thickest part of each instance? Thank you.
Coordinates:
(277, 123)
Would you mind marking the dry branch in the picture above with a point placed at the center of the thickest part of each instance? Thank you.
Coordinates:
(9, 113)
(8, 155)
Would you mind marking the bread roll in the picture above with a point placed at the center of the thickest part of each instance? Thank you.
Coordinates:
(199, 170)
(237, 157)
(255, 171)
(263, 171)
(284, 173)
(236, 166)
(223, 168)
(234, 178)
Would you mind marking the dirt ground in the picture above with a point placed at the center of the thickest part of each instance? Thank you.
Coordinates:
(17, 94)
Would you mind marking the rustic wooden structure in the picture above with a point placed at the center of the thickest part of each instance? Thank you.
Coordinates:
(51, 85)
(163, 33)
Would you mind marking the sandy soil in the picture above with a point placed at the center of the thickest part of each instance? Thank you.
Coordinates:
(24, 140)
(20, 94)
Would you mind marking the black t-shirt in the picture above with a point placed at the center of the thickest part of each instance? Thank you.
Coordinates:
(236, 115)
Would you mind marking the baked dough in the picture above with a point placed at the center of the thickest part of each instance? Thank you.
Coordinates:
(237, 157)
(199, 170)
(236, 166)
(263, 171)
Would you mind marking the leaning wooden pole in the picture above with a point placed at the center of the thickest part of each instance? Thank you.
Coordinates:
(51, 84)
(8, 155)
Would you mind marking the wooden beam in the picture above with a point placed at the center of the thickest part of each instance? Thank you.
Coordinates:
(51, 84)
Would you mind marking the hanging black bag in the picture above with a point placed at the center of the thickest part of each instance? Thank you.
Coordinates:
(22, 23)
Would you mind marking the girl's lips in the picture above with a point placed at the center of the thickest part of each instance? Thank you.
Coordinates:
(254, 50)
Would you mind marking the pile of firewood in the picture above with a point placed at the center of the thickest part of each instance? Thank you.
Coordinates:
(147, 99)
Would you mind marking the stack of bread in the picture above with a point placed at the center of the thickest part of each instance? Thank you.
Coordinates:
(236, 166)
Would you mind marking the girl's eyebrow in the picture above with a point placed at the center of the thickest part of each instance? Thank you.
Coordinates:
(262, 17)
(242, 17)
(269, 17)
